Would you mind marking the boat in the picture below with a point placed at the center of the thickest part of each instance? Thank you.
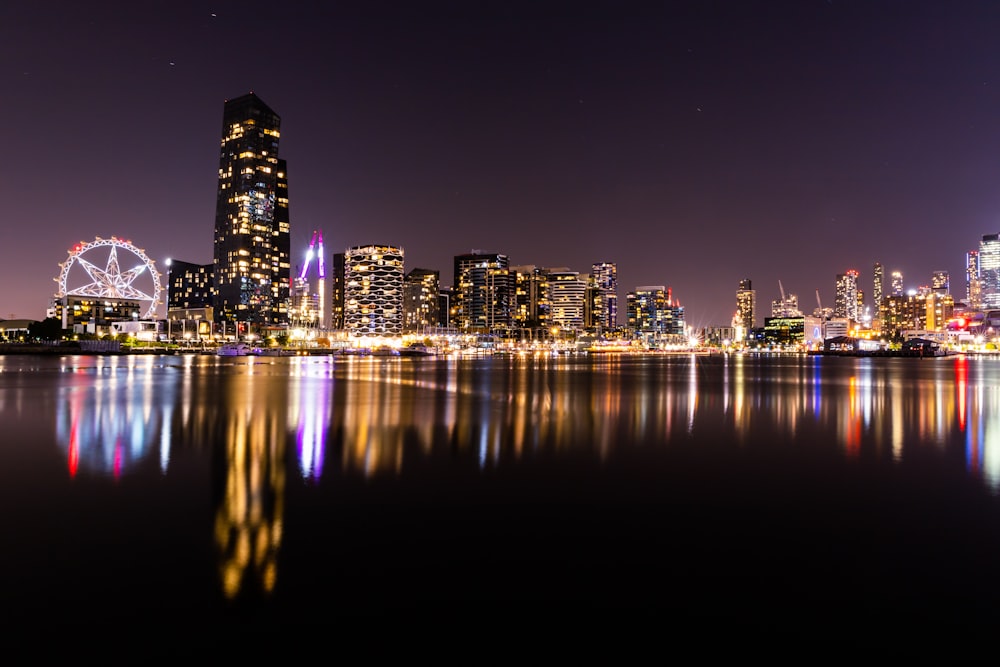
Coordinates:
(236, 350)
(385, 352)
(276, 352)
(416, 350)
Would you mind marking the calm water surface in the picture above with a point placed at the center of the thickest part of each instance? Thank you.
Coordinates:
(283, 489)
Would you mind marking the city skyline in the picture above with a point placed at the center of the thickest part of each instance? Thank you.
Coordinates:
(692, 146)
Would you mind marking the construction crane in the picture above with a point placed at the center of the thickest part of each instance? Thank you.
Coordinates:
(315, 252)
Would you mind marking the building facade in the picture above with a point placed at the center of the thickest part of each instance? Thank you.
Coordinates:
(421, 293)
(567, 298)
(373, 290)
(252, 229)
(878, 279)
(190, 295)
(653, 317)
(845, 303)
(604, 303)
(482, 294)
(941, 282)
(989, 270)
(530, 303)
(896, 283)
(746, 306)
(973, 286)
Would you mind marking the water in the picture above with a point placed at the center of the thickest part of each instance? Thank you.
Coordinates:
(296, 488)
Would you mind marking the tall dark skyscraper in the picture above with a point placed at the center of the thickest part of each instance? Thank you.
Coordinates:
(252, 239)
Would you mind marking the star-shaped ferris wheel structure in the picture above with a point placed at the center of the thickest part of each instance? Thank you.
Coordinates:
(110, 282)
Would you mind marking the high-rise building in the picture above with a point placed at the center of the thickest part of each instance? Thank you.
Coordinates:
(989, 270)
(421, 293)
(373, 290)
(605, 300)
(746, 305)
(845, 303)
(878, 276)
(251, 258)
(653, 316)
(483, 293)
(566, 296)
(973, 286)
(897, 283)
(337, 291)
(941, 282)
(530, 303)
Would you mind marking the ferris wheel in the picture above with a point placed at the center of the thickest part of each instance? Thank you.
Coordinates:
(94, 270)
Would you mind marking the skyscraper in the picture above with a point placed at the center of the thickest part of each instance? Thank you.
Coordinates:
(897, 283)
(746, 303)
(973, 287)
(989, 270)
(941, 282)
(605, 277)
(878, 276)
(483, 294)
(846, 298)
(252, 234)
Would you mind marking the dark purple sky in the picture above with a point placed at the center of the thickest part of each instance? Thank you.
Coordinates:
(693, 143)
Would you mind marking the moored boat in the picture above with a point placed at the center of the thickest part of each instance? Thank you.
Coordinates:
(236, 350)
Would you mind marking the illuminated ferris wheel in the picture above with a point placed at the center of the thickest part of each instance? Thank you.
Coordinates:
(94, 270)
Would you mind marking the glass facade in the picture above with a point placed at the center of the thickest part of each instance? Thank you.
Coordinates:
(989, 270)
(605, 301)
(483, 293)
(251, 258)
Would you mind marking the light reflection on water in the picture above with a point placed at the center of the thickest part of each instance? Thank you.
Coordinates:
(268, 424)
(113, 413)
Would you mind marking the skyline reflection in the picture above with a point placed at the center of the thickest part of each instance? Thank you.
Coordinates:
(368, 416)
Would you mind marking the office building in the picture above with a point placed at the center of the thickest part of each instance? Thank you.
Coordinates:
(251, 258)
(989, 270)
(373, 290)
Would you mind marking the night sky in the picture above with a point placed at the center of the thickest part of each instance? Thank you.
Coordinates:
(693, 143)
